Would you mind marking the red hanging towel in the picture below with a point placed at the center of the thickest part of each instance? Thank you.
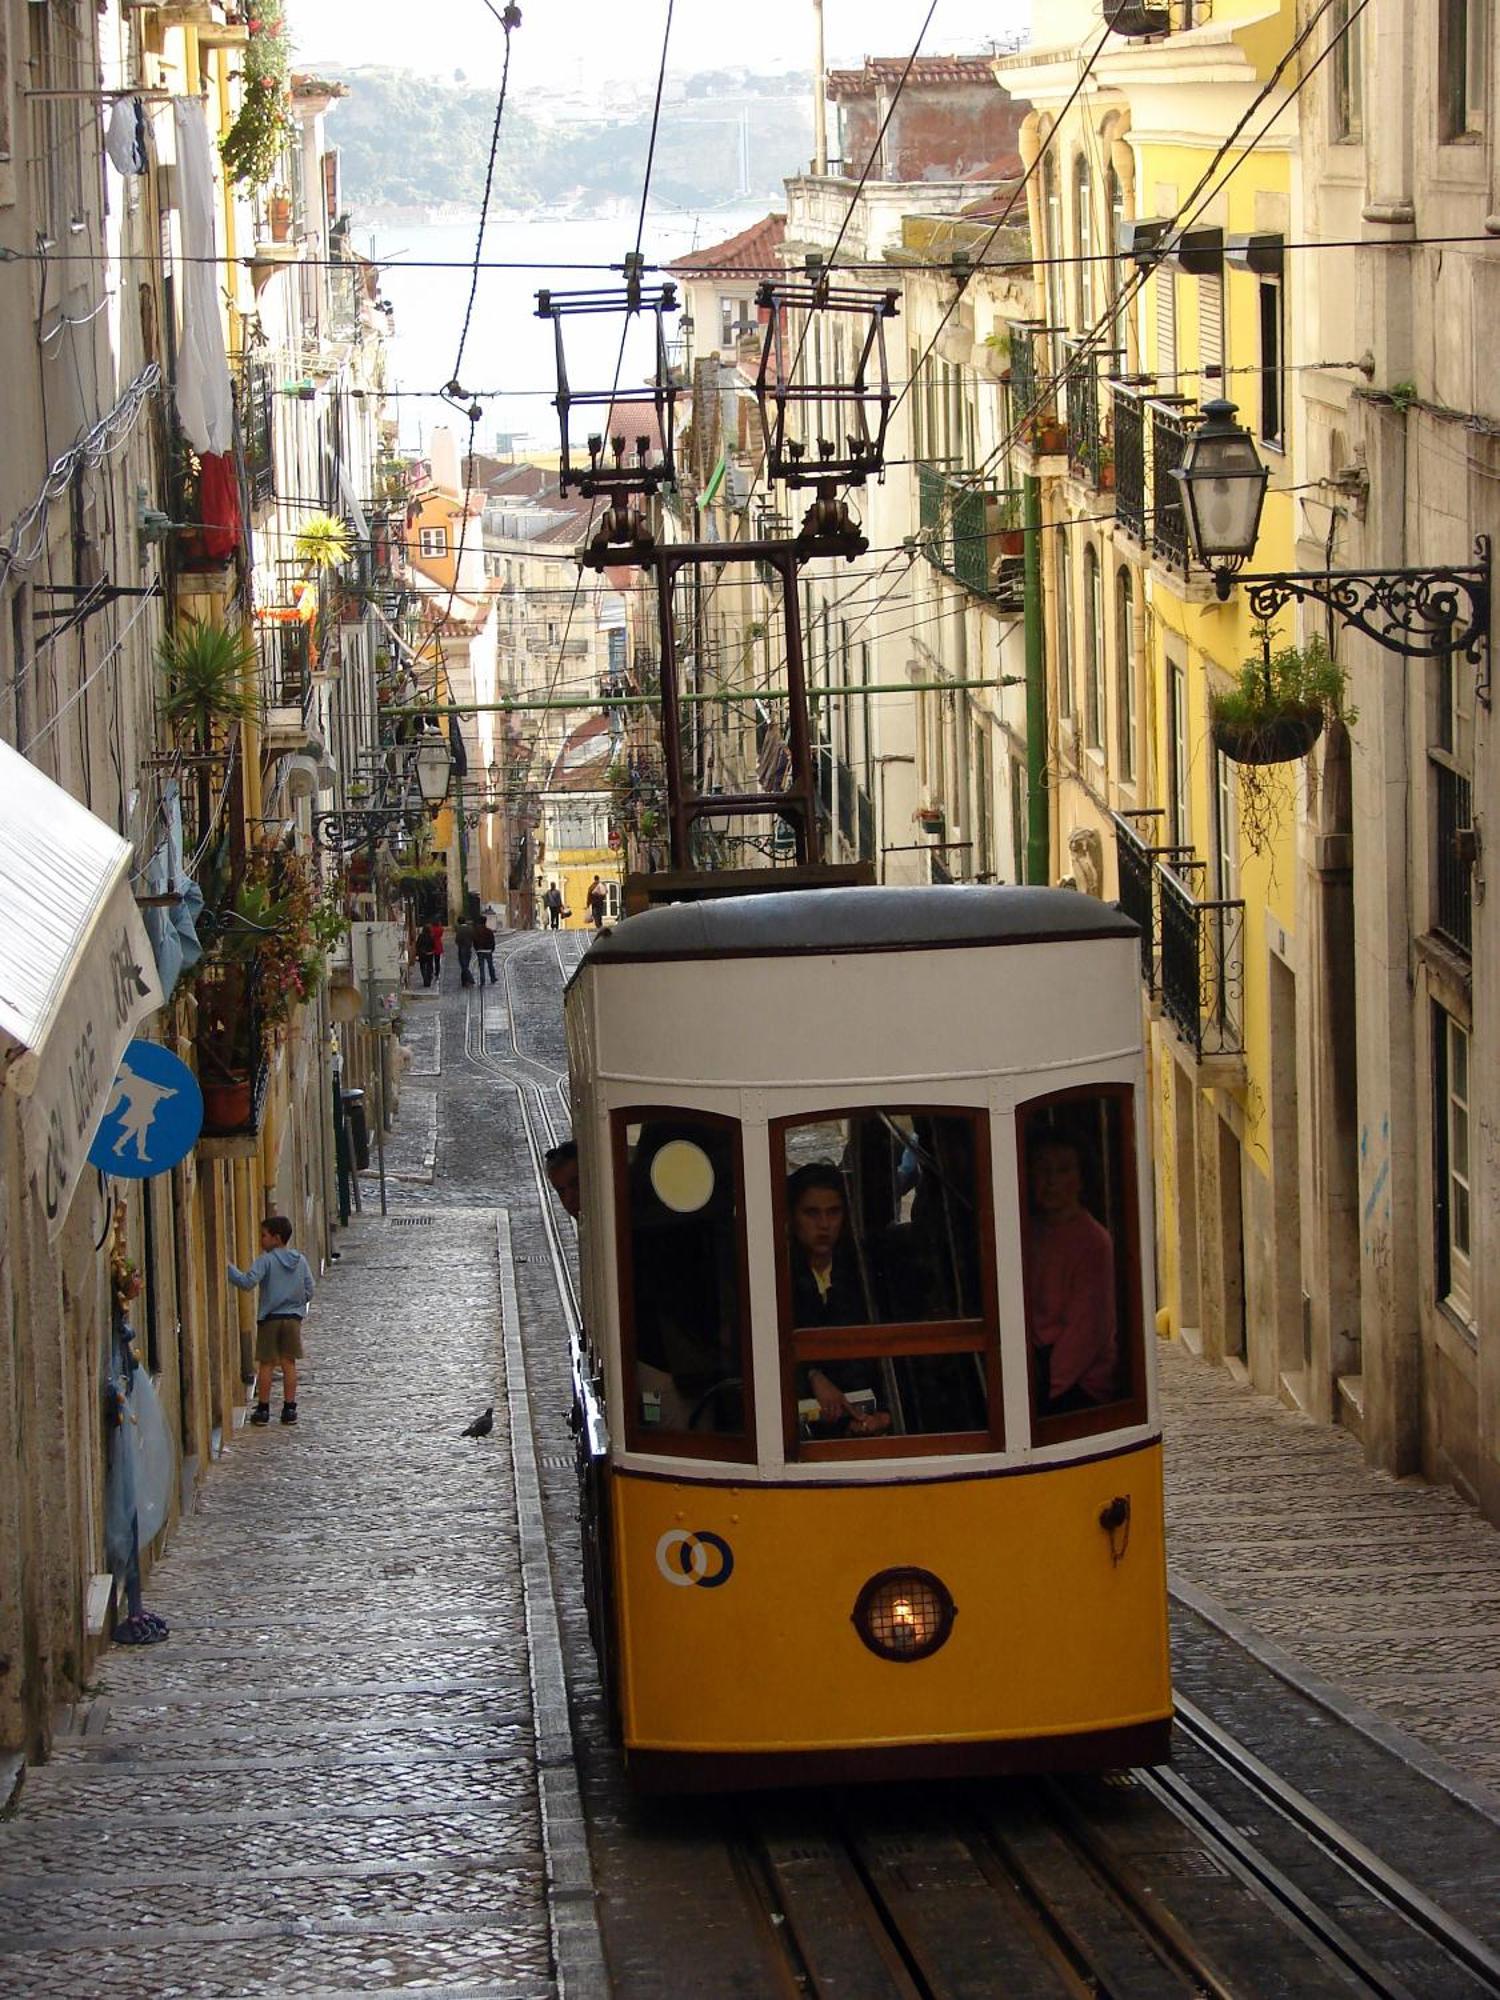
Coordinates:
(219, 505)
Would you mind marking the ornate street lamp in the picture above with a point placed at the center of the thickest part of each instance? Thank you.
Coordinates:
(1223, 486)
(1422, 614)
(434, 768)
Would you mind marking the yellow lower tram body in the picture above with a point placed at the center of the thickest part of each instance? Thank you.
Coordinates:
(733, 1621)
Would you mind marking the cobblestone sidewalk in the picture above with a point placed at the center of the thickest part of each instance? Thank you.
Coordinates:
(1387, 1589)
(324, 1781)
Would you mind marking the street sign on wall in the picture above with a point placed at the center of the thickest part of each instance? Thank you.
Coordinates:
(153, 1115)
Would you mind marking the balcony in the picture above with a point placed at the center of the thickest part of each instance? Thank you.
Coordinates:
(1138, 851)
(1090, 444)
(257, 414)
(1147, 20)
(968, 532)
(286, 681)
(1202, 961)
(1453, 913)
(1150, 435)
(1033, 390)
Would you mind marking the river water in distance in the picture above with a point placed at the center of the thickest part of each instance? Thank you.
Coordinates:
(426, 277)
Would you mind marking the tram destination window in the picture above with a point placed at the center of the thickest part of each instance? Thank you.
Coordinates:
(682, 1285)
(887, 1282)
(1081, 1264)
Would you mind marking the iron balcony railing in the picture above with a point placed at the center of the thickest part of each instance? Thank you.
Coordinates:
(1033, 397)
(961, 527)
(1090, 453)
(1202, 961)
(1137, 853)
(258, 430)
(1170, 423)
(1454, 911)
(285, 664)
(1150, 435)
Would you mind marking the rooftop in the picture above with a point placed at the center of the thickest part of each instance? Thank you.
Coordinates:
(752, 251)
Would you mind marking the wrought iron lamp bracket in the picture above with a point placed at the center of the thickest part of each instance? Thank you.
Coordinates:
(357, 826)
(1422, 614)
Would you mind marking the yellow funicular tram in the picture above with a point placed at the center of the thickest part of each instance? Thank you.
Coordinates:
(869, 1435)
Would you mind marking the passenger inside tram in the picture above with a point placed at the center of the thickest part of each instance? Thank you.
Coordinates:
(1071, 1295)
(686, 1309)
(827, 1291)
(882, 1231)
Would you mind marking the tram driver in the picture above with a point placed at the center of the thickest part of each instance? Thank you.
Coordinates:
(827, 1291)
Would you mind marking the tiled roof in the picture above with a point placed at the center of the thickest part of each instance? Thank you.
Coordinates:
(883, 70)
(752, 251)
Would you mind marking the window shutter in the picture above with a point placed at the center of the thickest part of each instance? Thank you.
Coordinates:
(1166, 328)
(1211, 334)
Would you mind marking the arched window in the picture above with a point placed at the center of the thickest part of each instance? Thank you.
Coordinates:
(1125, 670)
(1114, 204)
(1052, 216)
(1093, 642)
(1087, 290)
(1066, 689)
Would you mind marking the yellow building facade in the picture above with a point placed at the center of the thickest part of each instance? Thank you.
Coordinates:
(1159, 259)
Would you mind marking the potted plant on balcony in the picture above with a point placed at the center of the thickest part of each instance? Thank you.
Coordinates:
(268, 945)
(1276, 710)
(208, 673)
(1107, 469)
(1047, 434)
(322, 542)
(1010, 530)
(932, 820)
(254, 143)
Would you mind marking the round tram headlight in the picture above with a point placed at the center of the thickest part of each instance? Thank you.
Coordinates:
(904, 1614)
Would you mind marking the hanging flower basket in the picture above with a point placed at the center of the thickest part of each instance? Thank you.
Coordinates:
(1277, 739)
(1275, 712)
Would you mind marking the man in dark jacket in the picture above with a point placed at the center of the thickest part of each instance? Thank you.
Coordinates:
(483, 940)
(463, 937)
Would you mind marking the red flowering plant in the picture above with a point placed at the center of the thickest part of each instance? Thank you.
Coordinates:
(254, 142)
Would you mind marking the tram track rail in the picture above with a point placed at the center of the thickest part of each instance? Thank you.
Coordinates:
(1116, 1889)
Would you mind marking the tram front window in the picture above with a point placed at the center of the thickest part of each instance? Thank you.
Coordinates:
(889, 1318)
(1080, 1263)
(680, 1197)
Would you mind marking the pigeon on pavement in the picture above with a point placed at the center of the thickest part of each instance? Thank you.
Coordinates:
(482, 1426)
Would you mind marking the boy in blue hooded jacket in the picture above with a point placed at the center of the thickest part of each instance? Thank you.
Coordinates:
(286, 1287)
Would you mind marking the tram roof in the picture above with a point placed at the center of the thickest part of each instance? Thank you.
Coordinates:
(818, 922)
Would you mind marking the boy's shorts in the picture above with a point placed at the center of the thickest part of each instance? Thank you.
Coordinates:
(278, 1339)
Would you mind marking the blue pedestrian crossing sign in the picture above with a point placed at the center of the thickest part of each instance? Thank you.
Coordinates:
(153, 1116)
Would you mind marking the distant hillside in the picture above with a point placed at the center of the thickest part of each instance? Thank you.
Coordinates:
(406, 141)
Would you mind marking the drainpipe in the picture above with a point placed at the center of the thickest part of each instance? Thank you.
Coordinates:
(1038, 831)
(820, 93)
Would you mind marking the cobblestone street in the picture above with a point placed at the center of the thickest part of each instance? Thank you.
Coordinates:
(325, 1779)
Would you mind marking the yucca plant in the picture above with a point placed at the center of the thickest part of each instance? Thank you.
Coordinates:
(322, 542)
(209, 675)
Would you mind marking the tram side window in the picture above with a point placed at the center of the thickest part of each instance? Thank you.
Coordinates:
(681, 1204)
(1080, 1263)
(888, 1294)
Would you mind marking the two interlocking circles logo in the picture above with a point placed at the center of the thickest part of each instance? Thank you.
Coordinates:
(694, 1556)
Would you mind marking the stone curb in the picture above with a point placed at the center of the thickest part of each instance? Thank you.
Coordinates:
(1396, 1742)
(577, 1944)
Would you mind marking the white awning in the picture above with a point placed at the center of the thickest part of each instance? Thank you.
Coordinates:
(77, 973)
